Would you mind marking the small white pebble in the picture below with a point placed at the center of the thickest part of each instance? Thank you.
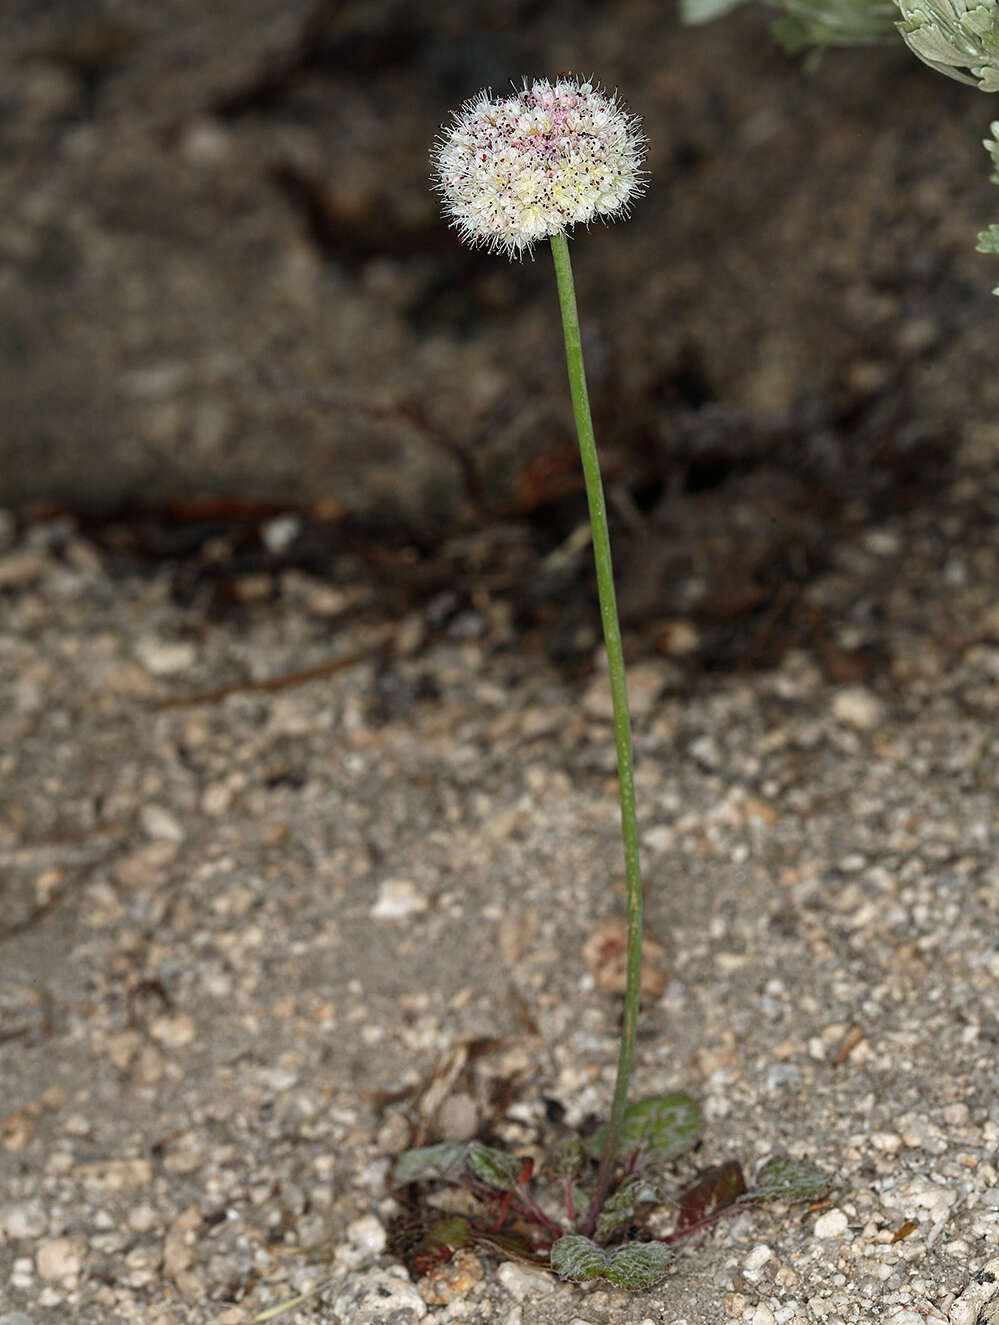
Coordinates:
(459, 1118)
(57, 1259)
(882, 542)
(279, 1078)
(925, 1195)
(888, 1142)
(141, 1218)
(279, 534)
(832, 1224)
(20, 569)
(376, 1295)
(397, 899)
(967, 1309)
(757, 1258)
(159, 823)
(368, 1234)
(174, 1032)
(523, 1283)
(858, 708)
(23, 1221)
(165, 657)
(763, 1316)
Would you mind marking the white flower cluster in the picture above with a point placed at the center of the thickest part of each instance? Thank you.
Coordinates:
(553, 155)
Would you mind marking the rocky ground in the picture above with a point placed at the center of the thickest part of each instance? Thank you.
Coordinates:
(304, 837)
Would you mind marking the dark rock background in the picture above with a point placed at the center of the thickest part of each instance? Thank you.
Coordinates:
(222, 274)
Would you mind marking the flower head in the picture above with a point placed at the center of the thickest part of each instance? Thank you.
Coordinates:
(515, 170)
(958, 37)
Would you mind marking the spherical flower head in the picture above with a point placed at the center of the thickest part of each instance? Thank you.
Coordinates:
(514, 170)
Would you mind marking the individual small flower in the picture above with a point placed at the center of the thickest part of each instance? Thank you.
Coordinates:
(518, 169)
(956, 38)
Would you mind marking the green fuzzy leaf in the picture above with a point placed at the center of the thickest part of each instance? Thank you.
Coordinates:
(786, 1179)
(807, 23)
(665, 1124)
(494, 1167)
(988, 240)
(568, 1160)
(453, 1232)
(447, 1159)
(633, 1266)
(619, 1207)
(703, 11)
(991, 146)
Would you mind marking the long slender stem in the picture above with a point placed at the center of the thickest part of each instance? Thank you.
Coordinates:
(619, 697)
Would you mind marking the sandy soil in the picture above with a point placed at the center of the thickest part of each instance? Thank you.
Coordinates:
(264, 927)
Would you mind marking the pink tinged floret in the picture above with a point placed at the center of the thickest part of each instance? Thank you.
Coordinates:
(519, 169)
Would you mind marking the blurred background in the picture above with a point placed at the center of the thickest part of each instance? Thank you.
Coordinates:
(227, 298)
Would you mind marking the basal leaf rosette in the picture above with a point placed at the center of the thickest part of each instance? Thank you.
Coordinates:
(515, 170)
(954, 37)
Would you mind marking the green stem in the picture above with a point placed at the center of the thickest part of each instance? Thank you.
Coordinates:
(619, 697)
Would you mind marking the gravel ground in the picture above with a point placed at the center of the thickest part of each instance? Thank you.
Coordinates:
(263, 930)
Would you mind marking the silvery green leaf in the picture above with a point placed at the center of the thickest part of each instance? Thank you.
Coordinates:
(452, 1231)
(665, 1124)
(448, 1160)
(834, 22)
(494, 1167)
(988, 240)
(784, 1179)
(633, 1266)
(930, 44)
(991, 146)
(568, 1160)
(703, 11)
(445, 1160)
(958, 39)
(619, 1207)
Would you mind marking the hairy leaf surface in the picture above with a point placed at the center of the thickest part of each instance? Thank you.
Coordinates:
(665, 1125)
(784, 1179)
(633, 1266)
